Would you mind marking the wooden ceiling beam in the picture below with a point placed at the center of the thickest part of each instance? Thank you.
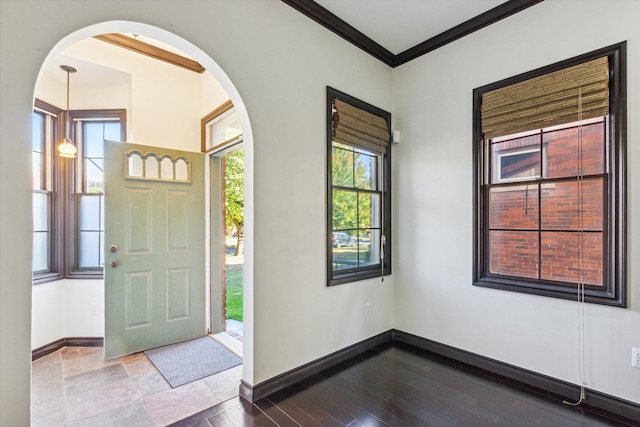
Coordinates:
(152, 51)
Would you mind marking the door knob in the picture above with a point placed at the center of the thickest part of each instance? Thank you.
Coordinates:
(114, 263)
(113, 248)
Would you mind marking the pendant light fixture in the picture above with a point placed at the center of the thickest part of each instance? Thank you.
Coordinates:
(66, 147)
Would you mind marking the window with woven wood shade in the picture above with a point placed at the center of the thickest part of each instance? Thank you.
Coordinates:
(358, 189)
(547, 100)
(359, 128)
(549, 180)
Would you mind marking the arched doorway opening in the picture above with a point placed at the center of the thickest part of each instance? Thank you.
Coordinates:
(70, 288)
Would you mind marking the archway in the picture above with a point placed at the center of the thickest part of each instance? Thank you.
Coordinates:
(212, 67)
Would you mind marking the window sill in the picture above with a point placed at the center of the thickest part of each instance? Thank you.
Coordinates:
(339, 279)
(92, 275)
(46, 278)
(76, 275)
(568, 292)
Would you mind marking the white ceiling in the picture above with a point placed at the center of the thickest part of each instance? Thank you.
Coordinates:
(88, 73)
(398, 25)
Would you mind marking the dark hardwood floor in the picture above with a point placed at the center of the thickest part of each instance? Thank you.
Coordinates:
(398, 385)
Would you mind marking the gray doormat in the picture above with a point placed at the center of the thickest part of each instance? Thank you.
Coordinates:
(189, 361)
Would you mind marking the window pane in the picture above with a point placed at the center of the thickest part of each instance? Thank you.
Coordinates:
(514, 207)
(344, 238)
(94, 175)
(112, 132)
(366, 171)
(93, 139)
(151, 167)
(135, 165)
(342, 167)
(90, 212)
(40, 261)
(564, 156)
(166, 169)
(368, 210)
(101, 248)
(102, 213)
(345, 250)
(517, 158)
(369, 247)
(38, 147)
(89, 250)
(564, 209)
(37, 129)
(514, 253)
(345, 209)
(224, 128)
(182, 173)
(38, 171)
(563, 259)
(40, 212)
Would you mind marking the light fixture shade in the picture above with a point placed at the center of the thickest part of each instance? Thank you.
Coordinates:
(67, 149)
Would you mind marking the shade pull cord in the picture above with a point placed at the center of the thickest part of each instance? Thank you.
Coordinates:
(383, 241)
(581, 300)
(383, 238)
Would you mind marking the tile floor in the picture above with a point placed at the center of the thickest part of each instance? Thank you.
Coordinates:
(75, 386)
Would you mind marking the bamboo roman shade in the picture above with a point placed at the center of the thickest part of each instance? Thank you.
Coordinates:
(359, 128)
(547, 100)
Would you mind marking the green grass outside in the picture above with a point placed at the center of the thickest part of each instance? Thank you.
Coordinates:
(234, 292)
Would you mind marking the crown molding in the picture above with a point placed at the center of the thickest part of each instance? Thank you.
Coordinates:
(322, 16)
(332, 22)
(485, 19)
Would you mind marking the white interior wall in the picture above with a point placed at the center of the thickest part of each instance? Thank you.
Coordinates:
(212, 94)
(166, 100)
(49, 314)
(84, 303)
(434, 296)
(65, 309)
(292, 317)
(282, 80)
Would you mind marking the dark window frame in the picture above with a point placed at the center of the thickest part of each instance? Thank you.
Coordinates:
(63, 203)
(614, 291)
(72, 239)
(55, 271)
(336, 277)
